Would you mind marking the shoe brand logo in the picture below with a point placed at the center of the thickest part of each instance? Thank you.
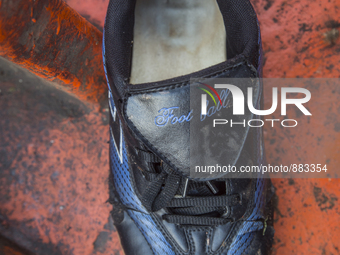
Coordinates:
(167, 115)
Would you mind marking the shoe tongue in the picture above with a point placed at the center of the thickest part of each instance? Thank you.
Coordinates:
(162, 119)
(149, 116)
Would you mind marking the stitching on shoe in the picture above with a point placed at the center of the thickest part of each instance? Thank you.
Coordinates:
(141, 232)
(209, 236)
(228, 240)
(169, 236)
(191, 240)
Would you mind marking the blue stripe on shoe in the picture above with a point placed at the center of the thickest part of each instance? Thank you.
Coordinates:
(104, 60)
(247, 231)
(122, 179)
(123, 185)
(120, 169)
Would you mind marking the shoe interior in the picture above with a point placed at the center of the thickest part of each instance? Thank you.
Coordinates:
(176, 37)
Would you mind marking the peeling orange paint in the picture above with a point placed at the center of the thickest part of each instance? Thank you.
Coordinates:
(25, 39)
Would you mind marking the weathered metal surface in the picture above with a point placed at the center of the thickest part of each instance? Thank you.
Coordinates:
(53, 41)
(307, 214)
(53, 169)
(52, 196)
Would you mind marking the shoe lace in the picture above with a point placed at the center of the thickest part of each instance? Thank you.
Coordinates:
(200, 207)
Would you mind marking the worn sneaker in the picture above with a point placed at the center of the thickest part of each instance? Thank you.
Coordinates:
(151, 50)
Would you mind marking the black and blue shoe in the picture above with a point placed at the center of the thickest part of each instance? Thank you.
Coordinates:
(151, 50)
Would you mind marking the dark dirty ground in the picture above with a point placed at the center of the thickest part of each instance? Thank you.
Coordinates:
(49, 191)
(45, 133)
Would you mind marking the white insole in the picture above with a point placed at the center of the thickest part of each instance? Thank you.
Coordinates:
(176, 37)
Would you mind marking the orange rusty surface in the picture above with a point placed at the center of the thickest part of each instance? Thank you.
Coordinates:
(9, 250)
(307, 215)
(91, 10)
(53, 169)
(53, 41)
(53, 200)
